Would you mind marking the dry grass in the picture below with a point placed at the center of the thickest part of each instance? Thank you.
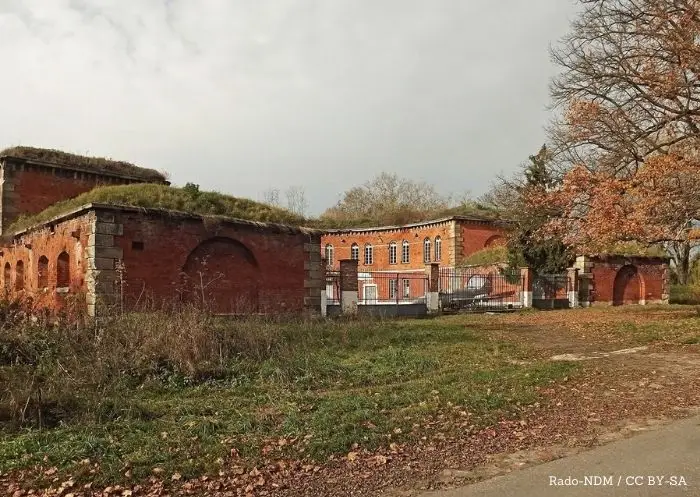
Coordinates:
(96, 164)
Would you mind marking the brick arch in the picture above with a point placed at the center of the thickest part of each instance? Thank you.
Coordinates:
(628, 287)
(223, 275)
(494, 241)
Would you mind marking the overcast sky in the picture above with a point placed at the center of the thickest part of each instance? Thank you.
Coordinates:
(245, 95)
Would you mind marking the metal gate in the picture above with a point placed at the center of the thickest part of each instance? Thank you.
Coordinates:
(461, 289)
(550, 291)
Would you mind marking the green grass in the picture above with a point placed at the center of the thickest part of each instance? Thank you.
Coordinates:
(491, 255)
(187, 199)
(327, 385)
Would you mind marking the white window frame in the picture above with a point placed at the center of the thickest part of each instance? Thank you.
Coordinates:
(393, 288)
(330, 252)
(369, 254)
(392, 253)
(438, 249)
(406, 288)
(355, 252)
(405, 252)
(427, 247)
(364, 293)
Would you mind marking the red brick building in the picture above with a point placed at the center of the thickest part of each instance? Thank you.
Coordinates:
(402, 252)
(33, 179)
(101, 255)
(620, 280)
(409, 247)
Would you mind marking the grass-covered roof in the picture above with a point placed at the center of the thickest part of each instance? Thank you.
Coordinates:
(148, 195)
(94, 164)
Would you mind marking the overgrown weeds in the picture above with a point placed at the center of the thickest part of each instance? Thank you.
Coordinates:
(181, 389)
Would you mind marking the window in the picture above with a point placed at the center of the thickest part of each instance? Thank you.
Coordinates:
(19, 276)
(393, 288)
(329, 255)
(43, 272)
(405, 252)
(355, 252)
(438, 249)
(426, 250)
(406, 288)
(136, 245)
(63, 270)
(392, 253)
(7, 276)
(369, 255)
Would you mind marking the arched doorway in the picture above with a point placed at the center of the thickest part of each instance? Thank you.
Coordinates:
(628, 286)
(222, 274)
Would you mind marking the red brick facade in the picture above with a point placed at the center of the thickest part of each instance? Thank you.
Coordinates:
(48, 265)
(618, 280)
(28, 187)
(107, 255)
(235, 267)
(455, 238)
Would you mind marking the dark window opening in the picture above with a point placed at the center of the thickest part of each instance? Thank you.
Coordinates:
(136, 245)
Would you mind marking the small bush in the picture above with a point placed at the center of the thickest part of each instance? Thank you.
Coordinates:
(487, 256)
(685, 294)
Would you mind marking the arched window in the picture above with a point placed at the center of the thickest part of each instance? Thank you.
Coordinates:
(392, 253)
(405, 252)
(63, 270)
(355, 252)
(19, 276)
(43, 272)
(329, 255)
(7, 276)
(426, 250)
(438, 249)
(369, 255)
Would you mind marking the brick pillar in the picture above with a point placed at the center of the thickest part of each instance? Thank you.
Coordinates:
(432, 296)
(573, 286)
(665, 283)
(104, 275)
(526, 275)
(348, 286)
(314, 279)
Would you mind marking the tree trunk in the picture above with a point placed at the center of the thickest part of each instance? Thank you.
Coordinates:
(680, 253)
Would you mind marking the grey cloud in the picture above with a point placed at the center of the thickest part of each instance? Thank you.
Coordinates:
(248, 95)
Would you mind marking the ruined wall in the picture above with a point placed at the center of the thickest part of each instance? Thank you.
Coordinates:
(48, 266)
(29, 189)
(231, 268)
(381, 240)
(618, 280)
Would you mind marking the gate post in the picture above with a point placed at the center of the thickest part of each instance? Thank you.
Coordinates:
(526, 276)
(572, 286)
(348, 286)
(432, 296)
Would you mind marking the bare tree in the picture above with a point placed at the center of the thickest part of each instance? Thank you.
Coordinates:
(271, 197)
(296, 200)
(387, 199)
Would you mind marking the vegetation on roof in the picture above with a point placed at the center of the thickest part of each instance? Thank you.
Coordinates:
(635, 249)
(187, 199)
(487, 256)
(96, 164)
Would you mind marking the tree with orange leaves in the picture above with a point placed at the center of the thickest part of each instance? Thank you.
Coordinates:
(627, 137)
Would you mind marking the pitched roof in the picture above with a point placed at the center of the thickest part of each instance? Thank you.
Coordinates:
(96, 165)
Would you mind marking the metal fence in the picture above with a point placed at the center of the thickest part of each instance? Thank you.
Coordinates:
(462, 289)
(380, 288)
(550, 291)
